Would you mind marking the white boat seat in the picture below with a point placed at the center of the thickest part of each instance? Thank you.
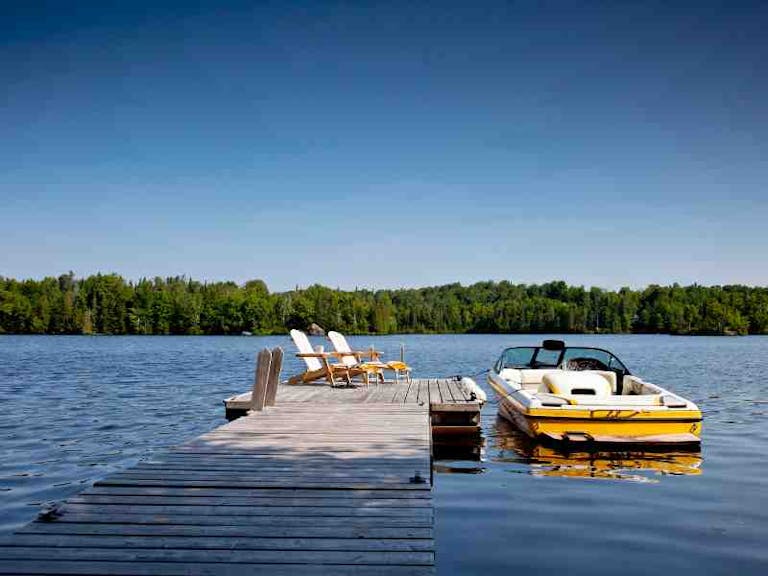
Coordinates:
(577, 383)
(609, 375)
(527, 378)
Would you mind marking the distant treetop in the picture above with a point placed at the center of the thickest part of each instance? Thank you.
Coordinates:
(108, 304)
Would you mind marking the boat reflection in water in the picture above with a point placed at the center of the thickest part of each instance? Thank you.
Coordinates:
(640, 464)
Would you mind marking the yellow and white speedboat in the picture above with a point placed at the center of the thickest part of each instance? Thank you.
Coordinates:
(584, 394)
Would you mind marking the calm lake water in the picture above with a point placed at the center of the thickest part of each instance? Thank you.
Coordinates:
(74, 409)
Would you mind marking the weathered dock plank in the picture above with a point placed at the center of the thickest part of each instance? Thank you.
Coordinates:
(236, 556)
(306, 531)
(257, 504)
(452, 408)
(216, 543)
(247, 493)
(298, 488)
(142, 568)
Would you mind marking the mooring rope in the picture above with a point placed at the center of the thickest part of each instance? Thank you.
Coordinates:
(459, 376)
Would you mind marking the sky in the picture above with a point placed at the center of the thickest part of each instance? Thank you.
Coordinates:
(385, 144)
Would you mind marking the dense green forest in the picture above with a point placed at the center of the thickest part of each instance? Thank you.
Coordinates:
(107, 304)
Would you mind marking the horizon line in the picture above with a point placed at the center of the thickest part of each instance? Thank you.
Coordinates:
(299, 287)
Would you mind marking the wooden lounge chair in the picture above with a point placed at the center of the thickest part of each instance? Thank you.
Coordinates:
(318, 365)
(353, 358)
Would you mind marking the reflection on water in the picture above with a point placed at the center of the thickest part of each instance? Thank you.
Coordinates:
(468, 447)
(457, 454)
(637, 464)
(458, 468)
(503, 443)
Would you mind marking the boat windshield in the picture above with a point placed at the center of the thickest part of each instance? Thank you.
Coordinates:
(568, 357)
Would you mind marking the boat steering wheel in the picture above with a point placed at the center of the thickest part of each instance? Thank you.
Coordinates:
(583, 363)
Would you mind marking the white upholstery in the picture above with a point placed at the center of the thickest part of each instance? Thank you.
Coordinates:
(533, 379)
(634, 385)
(610, 376)
(304, 347)
(565, 382)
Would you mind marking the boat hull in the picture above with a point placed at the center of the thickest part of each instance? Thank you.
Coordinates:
(620, 426)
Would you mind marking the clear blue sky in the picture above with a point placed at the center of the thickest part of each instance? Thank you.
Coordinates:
(386, 144)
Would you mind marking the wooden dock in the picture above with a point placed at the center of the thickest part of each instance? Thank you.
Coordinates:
(453, 408)
(304, 487)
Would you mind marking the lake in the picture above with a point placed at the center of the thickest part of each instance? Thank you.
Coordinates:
(74, 409)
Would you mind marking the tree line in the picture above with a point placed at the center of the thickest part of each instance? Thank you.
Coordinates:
(108, 304)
